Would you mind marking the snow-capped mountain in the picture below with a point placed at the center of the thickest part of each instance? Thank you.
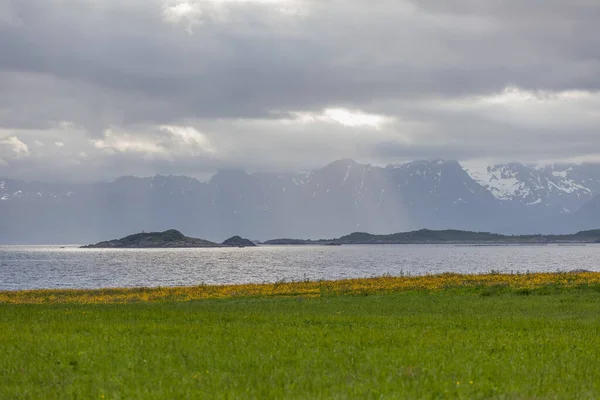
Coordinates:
(339, 198)
(559, 188)
(437, 179)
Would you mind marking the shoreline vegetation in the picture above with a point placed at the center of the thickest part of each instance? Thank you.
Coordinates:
(449, 236)
(452, 283)
(172, 238)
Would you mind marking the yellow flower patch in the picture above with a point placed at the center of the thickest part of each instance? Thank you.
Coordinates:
(351, 287)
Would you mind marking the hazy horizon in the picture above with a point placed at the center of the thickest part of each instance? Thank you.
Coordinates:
(205, 178)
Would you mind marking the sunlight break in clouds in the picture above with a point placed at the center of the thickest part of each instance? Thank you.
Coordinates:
(118, 142)
(190, 136)
(190, 13)
(16, 146)
(573, 110)
(166, 142)
(183, 12)
(342, 116)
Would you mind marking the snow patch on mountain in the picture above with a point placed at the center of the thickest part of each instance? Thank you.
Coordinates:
(302, 178)
(500, 180)
(532, 186)
(347, 174)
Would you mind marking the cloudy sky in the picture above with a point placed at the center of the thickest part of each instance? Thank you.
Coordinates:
(95, 89)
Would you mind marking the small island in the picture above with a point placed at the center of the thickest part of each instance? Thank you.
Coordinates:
(237, 241)
(171, 238)
(287, 241)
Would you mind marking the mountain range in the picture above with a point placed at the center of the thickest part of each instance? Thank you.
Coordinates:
(342, 197)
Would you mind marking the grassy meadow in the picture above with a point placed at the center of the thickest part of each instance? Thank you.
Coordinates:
(447, 336)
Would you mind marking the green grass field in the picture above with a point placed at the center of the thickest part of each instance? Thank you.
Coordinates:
(417, 344)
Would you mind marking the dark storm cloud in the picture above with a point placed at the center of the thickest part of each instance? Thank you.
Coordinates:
(348, 55)
(130, 65)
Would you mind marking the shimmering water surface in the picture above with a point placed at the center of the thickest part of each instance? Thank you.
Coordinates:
(32, 267)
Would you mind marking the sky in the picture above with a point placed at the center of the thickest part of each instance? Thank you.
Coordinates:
(94, 89)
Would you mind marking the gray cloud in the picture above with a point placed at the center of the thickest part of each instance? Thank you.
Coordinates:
(237, 71)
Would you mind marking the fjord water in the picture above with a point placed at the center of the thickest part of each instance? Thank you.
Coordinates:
(36, 267)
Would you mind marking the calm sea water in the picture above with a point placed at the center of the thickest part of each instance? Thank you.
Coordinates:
(32, 267)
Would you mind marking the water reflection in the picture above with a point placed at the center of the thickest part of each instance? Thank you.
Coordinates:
(24, 267)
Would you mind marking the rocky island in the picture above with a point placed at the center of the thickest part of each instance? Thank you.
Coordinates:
(168, 239)
(237, 241)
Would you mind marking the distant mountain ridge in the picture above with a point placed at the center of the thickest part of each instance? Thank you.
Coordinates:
(341, 197)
